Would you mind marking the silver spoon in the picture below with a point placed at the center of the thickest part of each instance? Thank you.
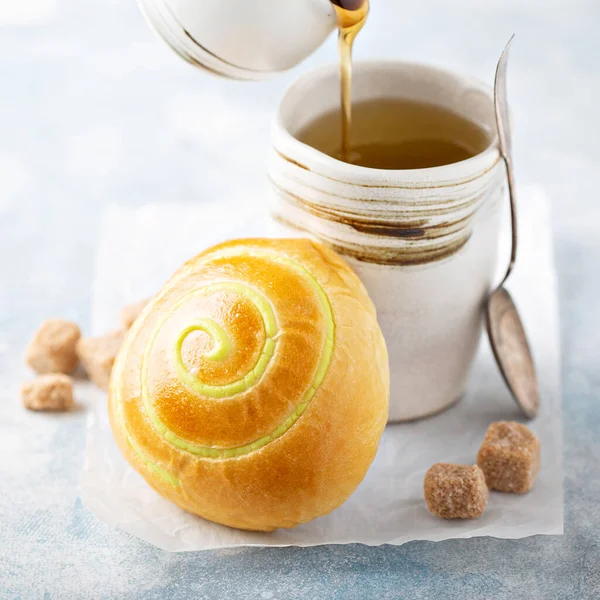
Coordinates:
(504, 326)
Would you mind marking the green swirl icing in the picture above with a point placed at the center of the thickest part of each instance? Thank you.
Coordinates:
(221, 350)
(222, 344)
(165, 475)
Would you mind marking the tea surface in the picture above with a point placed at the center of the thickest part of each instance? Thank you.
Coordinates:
(398, 134)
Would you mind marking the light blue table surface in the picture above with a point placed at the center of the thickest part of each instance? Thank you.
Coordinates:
(93, 109)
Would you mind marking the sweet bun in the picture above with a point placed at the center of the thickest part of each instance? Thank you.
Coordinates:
(253, 389)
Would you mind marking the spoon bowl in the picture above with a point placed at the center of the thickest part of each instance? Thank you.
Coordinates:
(511, 349)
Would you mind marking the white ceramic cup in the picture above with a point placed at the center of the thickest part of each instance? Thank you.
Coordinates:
(423, 241)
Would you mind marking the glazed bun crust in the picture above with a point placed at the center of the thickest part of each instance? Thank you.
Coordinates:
(253, 389)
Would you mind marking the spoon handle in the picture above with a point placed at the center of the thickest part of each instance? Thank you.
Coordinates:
(504, 136)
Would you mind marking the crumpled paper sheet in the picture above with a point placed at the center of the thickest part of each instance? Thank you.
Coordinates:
(139, 250)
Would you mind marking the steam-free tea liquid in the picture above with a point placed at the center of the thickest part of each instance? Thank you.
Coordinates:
(398, 134)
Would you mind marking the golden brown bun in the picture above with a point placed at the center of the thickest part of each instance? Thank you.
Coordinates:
(253, 389)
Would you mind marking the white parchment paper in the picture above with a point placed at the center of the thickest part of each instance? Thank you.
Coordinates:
(140, 248)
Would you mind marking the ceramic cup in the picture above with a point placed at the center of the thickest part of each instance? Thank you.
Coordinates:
(423, 241)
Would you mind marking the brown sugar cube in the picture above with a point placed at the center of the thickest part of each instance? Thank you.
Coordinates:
(455, 491)
(509, 457)
(131, 312)
(53, 391)
(97, 355)
(52, 349)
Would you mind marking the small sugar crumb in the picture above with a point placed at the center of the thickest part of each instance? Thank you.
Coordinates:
(97, 355)
(52, 348)
(53, 391)
(131, 312)
(455, 491)
(509, 457)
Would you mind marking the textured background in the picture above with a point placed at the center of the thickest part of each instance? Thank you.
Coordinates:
(94, 110)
